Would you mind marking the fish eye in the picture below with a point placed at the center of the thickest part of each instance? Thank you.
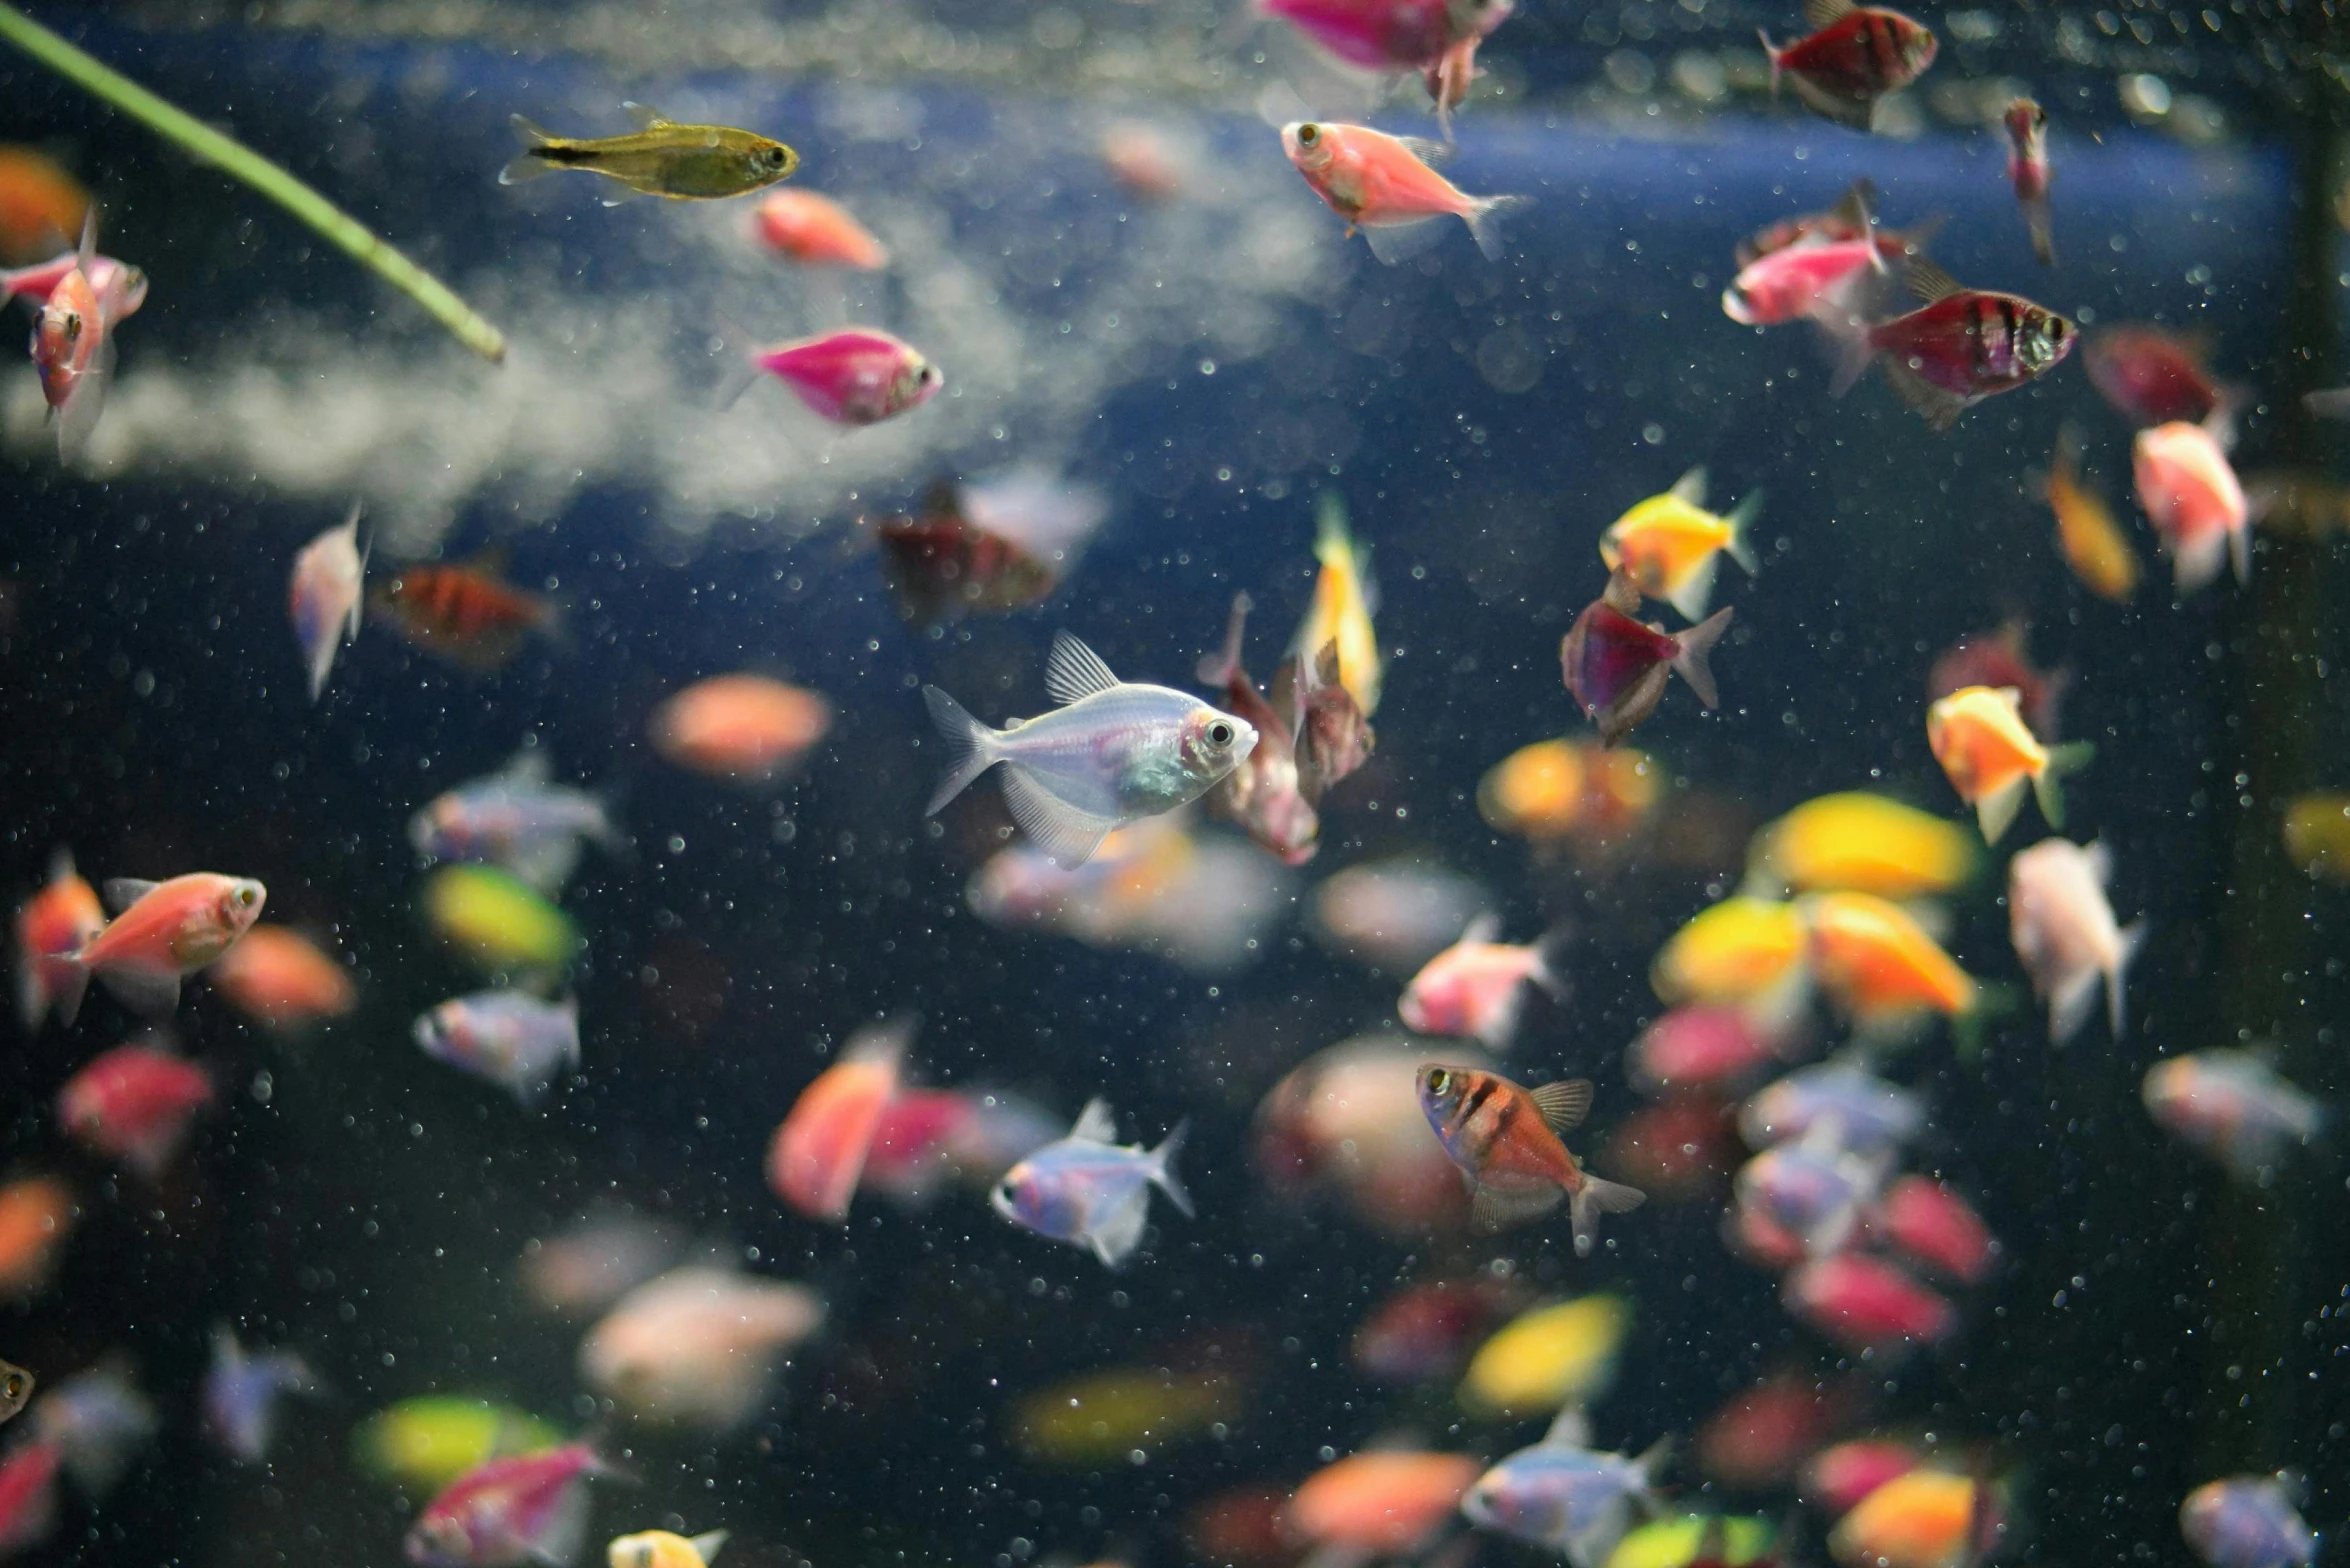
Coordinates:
(1308, 134)
(1439, 1079)
(14, 1387)
(1219, 734)
(73, 326)
(245, 898)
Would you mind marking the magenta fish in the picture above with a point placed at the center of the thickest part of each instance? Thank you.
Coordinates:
(2027, 171)
(1964, 346)
(1436, 39)
(34, 284)
(856, 376)
(1617, 666)
(1855, 55)
(503, 1513)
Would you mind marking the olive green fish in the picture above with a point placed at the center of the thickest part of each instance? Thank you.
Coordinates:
(16, 1386)
(659, 158)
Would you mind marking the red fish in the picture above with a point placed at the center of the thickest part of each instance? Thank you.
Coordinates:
(1382, 185)
(1262, 795)
(2153, 377)
(1936, 1228)
(1760, 1435)
(1855, 55)
(2027, 171)
(1505, 1139)
(1963, 346)
(1437, 39)
(52, 926)
(504, 1513)
(2001, 658)
(28, 1494)
(1678, 1149)
(1333, 738)
(465, 613)
(939, 565)
(134, 1104)
(167, 931)
(856, 376)
(915, 1143)
(819, 1152)
(1617, 666)
(1866, 1304)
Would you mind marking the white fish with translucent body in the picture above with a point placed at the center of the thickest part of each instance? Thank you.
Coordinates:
(1113, 752)
(242, 1390)
(326, 596)
(2065, 934)
(1089, 1191)
(510, 1038)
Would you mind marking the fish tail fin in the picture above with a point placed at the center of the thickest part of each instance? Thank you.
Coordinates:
(736, 382)
(1550, 955)
(707, 1544)
(2069, 1004)
(2240, 552)
(972, 747)
(66, 999)
(2048, 785)
(1594, 1198)
(1162, 1169)
(531, 162)
(2116, 987)
(1693, 592)
(1769, 48)
(1484, 219)
(2043, 230)
(1215, 669)
(1694, 660)
(1741, 548)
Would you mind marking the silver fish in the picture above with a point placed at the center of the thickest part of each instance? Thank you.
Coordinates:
(516, 819)
(1562, 1495)
(1088, 1190)
(325, 596)
(1113, 753)
(242, 1390)
(510, 1038)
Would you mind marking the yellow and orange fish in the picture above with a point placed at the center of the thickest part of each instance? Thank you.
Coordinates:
(1670, 544)
(748, 729)
(39, 204)
(1743, 952)
(51, 927)
(662, 1549)
(464, 613)
(1874, 959)
(279, 977)
(1979, 736)
(811, 228)
(1344, 600)
(1925, 1519)
(819, 1152)
(1385, 1502)
(1854, 841)
(1505, 1139)
(2092, 542)
(1571, 789)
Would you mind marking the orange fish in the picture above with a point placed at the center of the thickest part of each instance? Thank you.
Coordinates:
(1475, 988)
(166, 932)
(1382, 185)
(2191, 496)
(1505, 1139)
(1923, 1519)
(51, 927)
(35, 1215)
(1872, 956)
(73, 341)
(2093, 543)
(1979, 736)
(464, 613)
(1142, 160)
(1385, 1503)
(279, 977)
(745, 728)
(814, 230)
(39, 204)
(819, 1151)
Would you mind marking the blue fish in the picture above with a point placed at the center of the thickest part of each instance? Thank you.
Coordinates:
(511, 1038)
(515, 819)
(1867, 1113)
(1089, 1191)
(242, 1390)
(1815, 1190)
(2248, 1521)
(1561, 1495)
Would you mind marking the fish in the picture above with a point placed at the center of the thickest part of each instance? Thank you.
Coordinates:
(1423, 1332)
(1962, 346)
(1923, 1518)
(1830, 269)
(1755, 1439)
(517, 820)
(1867, 1305)
(1700, 1046)
(1262, 795)
(1505, 1139)
(1143, 160)
(659, 158)
(281, 979)
(1839, 1476)
(1346, 597)
(2233, 1106)
(745, 729)
(2317, 834)
(134, 1104)
(699, 1345)
(241, 1392)
(2002, 658)
(1559, 1355)
(498, 921)
(1571, 789)
(466, 613)
(1434, 39)
(428, 1441)
(1111, 754)
(2065, 934)
(28, 1493)
(2247, 1521)
(594, 1261)
(16, 1390)
(661, 1549)
(51, 927)
(1617, 666)
(1865, 1113)
(1853, 56)
(1746, 952)
(2150, 376)
(1476, 988)
(1933, 1227)
(2092, 543)
(1383, 185)
(1395, 913)
(856, 376)
(73, 341)
(1102, 1417)
(99, 1419)
(1851, 218)
(509, 1512)
(1090, 1192)
(1348, 1122)
(106, 274)
(1383, 1502)
(992, 545)
(1815, 1190)
(1697, 1541)
(1334, 738)
(1855, 841)
(325, 596)
(37, 1213)
(1978, 735)
(819, 1149)
(2191, 495)
(1881, 966)
(39, 201)
(509, 1038)
(165, 931)
(1670, 544)
(1564, 1497)
(812, 229)
(2027, 171)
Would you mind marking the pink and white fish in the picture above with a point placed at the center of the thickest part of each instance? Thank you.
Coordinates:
(166, 931)
(856, 376)
(2231, 1105)
(325, 596)
(34, 284)
(504, 1513)
(1383, 185)
(73, 340)
(2190, 494)
(2065, 934)
(1434, 39)
(1476, 988)
(2028, 172)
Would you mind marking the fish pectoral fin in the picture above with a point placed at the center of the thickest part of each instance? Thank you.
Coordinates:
(1493, 1209)
(1563, 1105)
(646, 118)
(122, 892)
(1074, 671)
(1067, 835)
(151, 993)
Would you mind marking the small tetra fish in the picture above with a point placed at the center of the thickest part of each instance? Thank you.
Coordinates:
(504, 1513)
(659, 158)
(166, 931)
(1476, 988)
(819, 1150)
(2065, 934)
(1617, 666)
(2247, 1521)
(1505, 1139)
(814, 230)
(16, 1388)
(1383, 185)
(857, 376)
(465, 613)
(34, 284)
(1850, 219)
(1815, 1190)
(516, 819)
(1670, 544)
(2191, 495)
(73, 340)
(1978, 735)
(52, 926)
(242, 1390)
(325, 596)
(2092, 542)
(510, 1038)
(1089, 1191)
(1867, 1114)
(1565, 1497)
(2231, 1105)
(1963, 346)
(1263, 795)
(1345, 599)
(2027, 171)
(2153, 377)
(1435, 39)
(660, 1549)
(1112, 752)
(1854, 55)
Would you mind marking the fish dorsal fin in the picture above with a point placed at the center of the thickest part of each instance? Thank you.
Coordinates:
(646, 119)
(122, 892)
(1929, 282)
(706, 1545)
(1690, 487)
(1563, 1105)
(530, 765)
(1431, 153)
(1826, 13)
(1481, 930)
(1097, 1123)
(2100, 861)
(1074, 671)
(1570, 1428)
(1853, 209)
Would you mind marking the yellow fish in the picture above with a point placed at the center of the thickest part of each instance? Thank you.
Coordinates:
(659, 158)
(1856, 842)
(498, 921)
(660, 1549)
(1574, 788)
(1104, 1416)
(2093, 543)
(1689, 1538)
(1741, 951)
(1547, 1359)
(2317, 835)
(1671, 544)
(429, 1441)
(1344, 598)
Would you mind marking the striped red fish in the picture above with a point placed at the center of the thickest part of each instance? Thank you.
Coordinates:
(1505, 1139)
(464, 613)
(1854, 55)
(1963, 346)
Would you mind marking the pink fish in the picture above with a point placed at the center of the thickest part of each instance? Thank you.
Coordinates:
(134, 1104)
(2233, 1106)
(1866, 1304)
(1383, 185)
(2027, 171)
(2190, 494)
(1699, 1047)
(1816, 276)
(811, 228)
(1616, 667)
(1476, 988)
(34, 284)
(28, 1494)
(51, 927)
(2065, 934)
(818, 1153)
(855, 376)
(167, 931)
(1435, 39)
(503, 1513)
(325, 596)
(1937, 1229)
(73, 340)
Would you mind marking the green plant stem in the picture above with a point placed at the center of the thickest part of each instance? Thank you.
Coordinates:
(203, 142)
